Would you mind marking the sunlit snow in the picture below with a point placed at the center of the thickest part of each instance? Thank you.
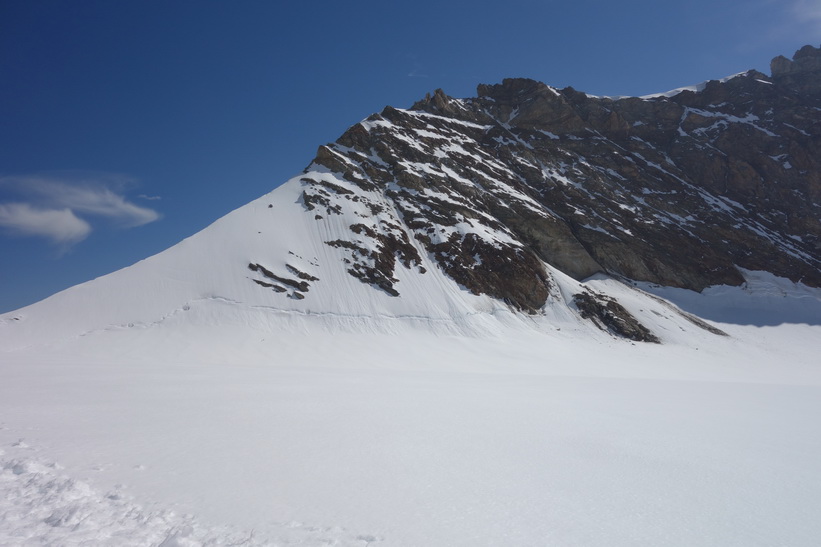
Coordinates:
(177, 402)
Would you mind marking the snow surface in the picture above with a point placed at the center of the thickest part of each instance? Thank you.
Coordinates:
(696, 88)
(43, 506)
(415, 440)
(329, 438)
(177, 402)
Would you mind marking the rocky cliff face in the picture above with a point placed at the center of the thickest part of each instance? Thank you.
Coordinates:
(680, 189)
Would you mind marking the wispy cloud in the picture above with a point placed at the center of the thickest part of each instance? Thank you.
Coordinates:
(60, 226)
(58, 207)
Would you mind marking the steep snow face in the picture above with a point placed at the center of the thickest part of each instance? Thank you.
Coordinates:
(267, 261)
(270, 264)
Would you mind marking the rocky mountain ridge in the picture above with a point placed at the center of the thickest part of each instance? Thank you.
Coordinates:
(525, 207)
(677, 190)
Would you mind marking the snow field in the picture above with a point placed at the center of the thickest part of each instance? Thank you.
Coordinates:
(180, 387)
(414, 439)
(41, 505)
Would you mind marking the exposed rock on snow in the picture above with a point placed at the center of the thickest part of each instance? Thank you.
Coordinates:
(610, 315)
(432, 348)
(678, 190)
(460, 212)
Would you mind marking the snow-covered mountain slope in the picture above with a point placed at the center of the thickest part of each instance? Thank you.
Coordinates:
(269, 266)
(441, 334)
(461, 216)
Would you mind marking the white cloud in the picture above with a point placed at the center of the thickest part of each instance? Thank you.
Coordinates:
(94, 201)
(57, 207)
(60, 226)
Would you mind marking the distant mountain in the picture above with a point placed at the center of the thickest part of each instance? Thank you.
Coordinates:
(456, 213)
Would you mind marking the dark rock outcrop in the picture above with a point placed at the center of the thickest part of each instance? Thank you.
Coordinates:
(611, 316)
(803, 72)
(682, 189)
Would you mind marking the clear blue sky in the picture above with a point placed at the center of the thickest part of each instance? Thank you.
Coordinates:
(126, 126)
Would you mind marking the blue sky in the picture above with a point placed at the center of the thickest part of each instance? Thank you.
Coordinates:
(127, 126)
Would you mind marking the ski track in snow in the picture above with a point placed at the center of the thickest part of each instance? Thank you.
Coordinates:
(41, 505)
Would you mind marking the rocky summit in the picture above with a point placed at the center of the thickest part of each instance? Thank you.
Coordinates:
(680, 189)
(525, 207)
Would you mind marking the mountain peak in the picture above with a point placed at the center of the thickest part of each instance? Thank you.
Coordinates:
(508, 203)
(703, 148)
(514, 90)
(682, 190)
(804, 70)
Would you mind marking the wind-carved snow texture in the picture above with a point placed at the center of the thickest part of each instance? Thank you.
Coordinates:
(41, 505)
